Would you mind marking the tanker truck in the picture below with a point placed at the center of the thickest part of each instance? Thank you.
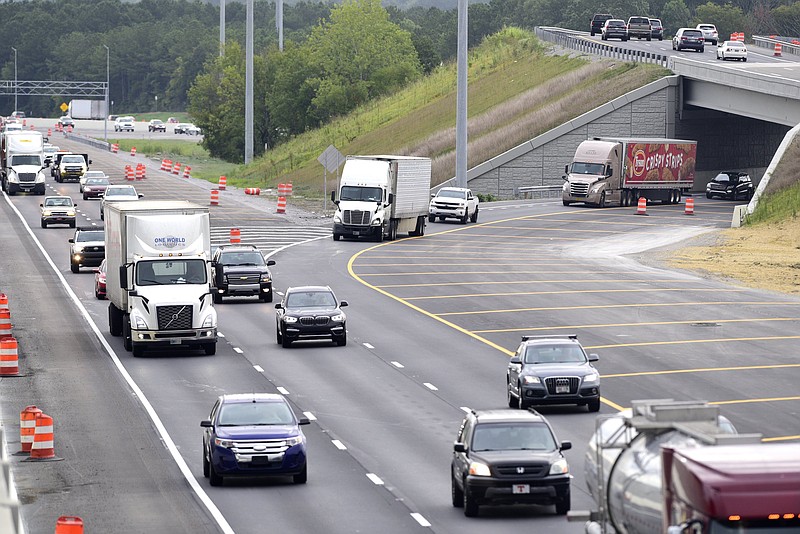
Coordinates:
(623, 461)
(610, 170)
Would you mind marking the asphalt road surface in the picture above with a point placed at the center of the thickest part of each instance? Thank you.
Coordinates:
(431, 324)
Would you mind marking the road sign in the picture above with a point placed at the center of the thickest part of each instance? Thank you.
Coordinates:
(64, 107)
(331, 158)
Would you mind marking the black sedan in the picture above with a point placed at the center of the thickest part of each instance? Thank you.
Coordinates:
(309, 313)
(732, 185)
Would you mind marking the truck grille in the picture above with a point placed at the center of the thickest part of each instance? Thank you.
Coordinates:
(578, 190)
(360, 218)
(27, 176)
(320, 320)
(555, 383)
(174, 317)
(249, 278)
(528, 470)
(73, 169)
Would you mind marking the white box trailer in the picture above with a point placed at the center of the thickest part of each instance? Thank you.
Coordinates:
(381, 196)
(158, 277)
(22, 162)
(87, 109)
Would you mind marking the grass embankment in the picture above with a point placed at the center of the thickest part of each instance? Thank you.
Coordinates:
(186, 152)
(517, 90)
(765, 253)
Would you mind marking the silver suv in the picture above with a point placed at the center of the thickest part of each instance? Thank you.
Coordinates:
(124, 124)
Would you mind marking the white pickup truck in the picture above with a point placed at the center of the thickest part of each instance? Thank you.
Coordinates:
(454, 202)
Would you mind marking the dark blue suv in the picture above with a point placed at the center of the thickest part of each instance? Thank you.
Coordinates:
(253, 435)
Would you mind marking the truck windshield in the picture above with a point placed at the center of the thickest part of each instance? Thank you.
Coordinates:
(587, 168)
(72, 159)
(174, 271)
(366, 194)
(30, 159)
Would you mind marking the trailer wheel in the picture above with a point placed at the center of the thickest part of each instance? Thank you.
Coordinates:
(392, 230)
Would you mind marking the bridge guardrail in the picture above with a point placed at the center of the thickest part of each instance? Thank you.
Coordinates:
(102, 145)
(538, 191)
(787, 47)
(10, 520)
(576, 40)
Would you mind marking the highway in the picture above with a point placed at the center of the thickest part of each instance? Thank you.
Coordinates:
(431, 324)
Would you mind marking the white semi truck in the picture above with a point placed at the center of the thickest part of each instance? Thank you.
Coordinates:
(157, 278)
(87, 109)
(22, 162)
(381, 196)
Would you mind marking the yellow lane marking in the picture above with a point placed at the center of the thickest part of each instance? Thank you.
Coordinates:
(466, 246)
(653, 323)
(781, 438)
(612, 404)
(520, 258)
(749, 401)
(458, 273)
(690, 341)
(450, 264)
(508, 282)
(549, 238)
(575, 291)
(702, 370)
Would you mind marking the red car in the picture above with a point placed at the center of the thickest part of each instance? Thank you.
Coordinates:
(100, 281)
(95, 188)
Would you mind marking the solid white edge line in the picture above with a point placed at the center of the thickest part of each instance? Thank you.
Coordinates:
(310, 416)
(282, 390)
(338, 444)
(160, 428)
(258, 368)
(419, 518)
(375, 479)
(430, 386)
(398, 365)
(368, 345)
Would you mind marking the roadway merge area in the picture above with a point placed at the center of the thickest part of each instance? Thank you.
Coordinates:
(431, 324)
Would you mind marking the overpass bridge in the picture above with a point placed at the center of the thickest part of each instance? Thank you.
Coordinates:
(738, 112)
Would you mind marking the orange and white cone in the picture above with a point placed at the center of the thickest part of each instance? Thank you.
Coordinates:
(3, 301)
(236, 236)
(281, 204)
(9, 357)
(641, 209)
(214, 197)
(5, 324)
(689, 207)
(43, 448)
(27, 427)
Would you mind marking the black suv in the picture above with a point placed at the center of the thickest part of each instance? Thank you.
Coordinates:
(508, 457)
(596, 25)
(87, 248)
(552, 370)
(310, 312)
(240, 270)
(733, 185)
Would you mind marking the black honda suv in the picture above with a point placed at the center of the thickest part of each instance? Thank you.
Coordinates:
(240, 270)
(310, 312)
(508, 457)
(552, 370)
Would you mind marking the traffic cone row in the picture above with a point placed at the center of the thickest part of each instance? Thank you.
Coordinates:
(285, 190)
(166, 165)
(176, 168)
(187, 171)
(9, 350)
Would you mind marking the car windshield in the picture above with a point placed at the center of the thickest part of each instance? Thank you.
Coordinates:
(554, 354)
(58, 202)
(29, 159)
(156, 121)
(616, 23)
(255, 414)
(310, 299)
(587, 168)
(734, 44)
(121, 192)
(90, 235)
(693, 33)
(366, 194)
(451, 194)
(241, 258)
(655, 23)
(97, 181)
(183, 271)
(72, 159)
(512, 437)
(722, 178)
(94, 174)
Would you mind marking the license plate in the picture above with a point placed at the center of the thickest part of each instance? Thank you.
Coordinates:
(518, 489)
(356, 233)
(562, 389)
(174, 341)
(260, 460)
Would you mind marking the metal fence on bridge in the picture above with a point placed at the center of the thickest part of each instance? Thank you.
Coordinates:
(576, 40)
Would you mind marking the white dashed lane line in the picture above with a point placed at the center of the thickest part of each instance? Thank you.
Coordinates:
(375, 479)
(338, 444)
(258, 368)
(420, 519)
(466, 409)
(398, 365)
(430, 386)
(238, 350)
(283, 390)
(368, 346)
(310, 416)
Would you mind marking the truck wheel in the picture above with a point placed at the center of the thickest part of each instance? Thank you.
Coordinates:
(392, 230)
(465, 218)
(602, 203)
(278, 336)
(431, 218)
(114, 320)
(563, 505)
(138, 351)
(512, 400)
(566, 202)
(521, 404)
(474, 217)
(266, 297)
(337, 237)
(210, 349)
(421, 226)
(44, 224)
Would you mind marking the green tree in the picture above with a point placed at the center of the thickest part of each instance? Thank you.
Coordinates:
(675, 15)
(727, 18)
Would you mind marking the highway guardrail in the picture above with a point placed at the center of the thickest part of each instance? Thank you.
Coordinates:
(538, 191)
(579, 41)
(9, 505)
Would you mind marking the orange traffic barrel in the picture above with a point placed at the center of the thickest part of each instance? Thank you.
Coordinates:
(689, 207)
(641, 208)
(5, 323)
(282, 189)
(49, 132)
(214, 197)
(129, 175)
(69, 129)
(133, 151)
(139, 171)
(236, 236)
(223, 183)
(27, 426)
(187, 171)
(163, 165)
(176, 168)
(42, 448)
(3, 301)
(778, 49)
(252, 191)
(281, 204)
(9, 357)
(114, 148)
(167, 165)
(69, 525)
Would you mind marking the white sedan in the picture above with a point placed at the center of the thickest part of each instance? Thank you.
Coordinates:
(732, 50)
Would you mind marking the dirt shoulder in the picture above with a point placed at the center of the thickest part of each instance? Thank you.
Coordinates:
(766, 256)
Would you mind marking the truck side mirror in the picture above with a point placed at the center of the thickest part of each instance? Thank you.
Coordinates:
(333, 196)
(609, 172)
(123, 277)
(391, 198)
(566, 169)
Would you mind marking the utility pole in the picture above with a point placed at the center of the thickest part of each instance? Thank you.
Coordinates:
(248, 90)
(221, 27)
(279, 22)
(461, 97)
(108, 88)
(15, 79)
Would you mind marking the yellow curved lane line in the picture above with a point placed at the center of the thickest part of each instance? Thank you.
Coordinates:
(691, 341)
(652, 323)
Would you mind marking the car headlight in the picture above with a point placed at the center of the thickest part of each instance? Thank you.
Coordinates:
(377, 222)
(336, 218)
(528, 379)
(46, 213)
(227, 443)
(338, 318)
(209, 321)
(708, 187)
(559, 467)
(565, 187)
(291, 442)
(289, 319)
(591, 378)
(265, 277)
(71, 213)
(479, 469)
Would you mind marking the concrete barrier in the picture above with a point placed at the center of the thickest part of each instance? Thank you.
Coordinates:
(10, 520)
